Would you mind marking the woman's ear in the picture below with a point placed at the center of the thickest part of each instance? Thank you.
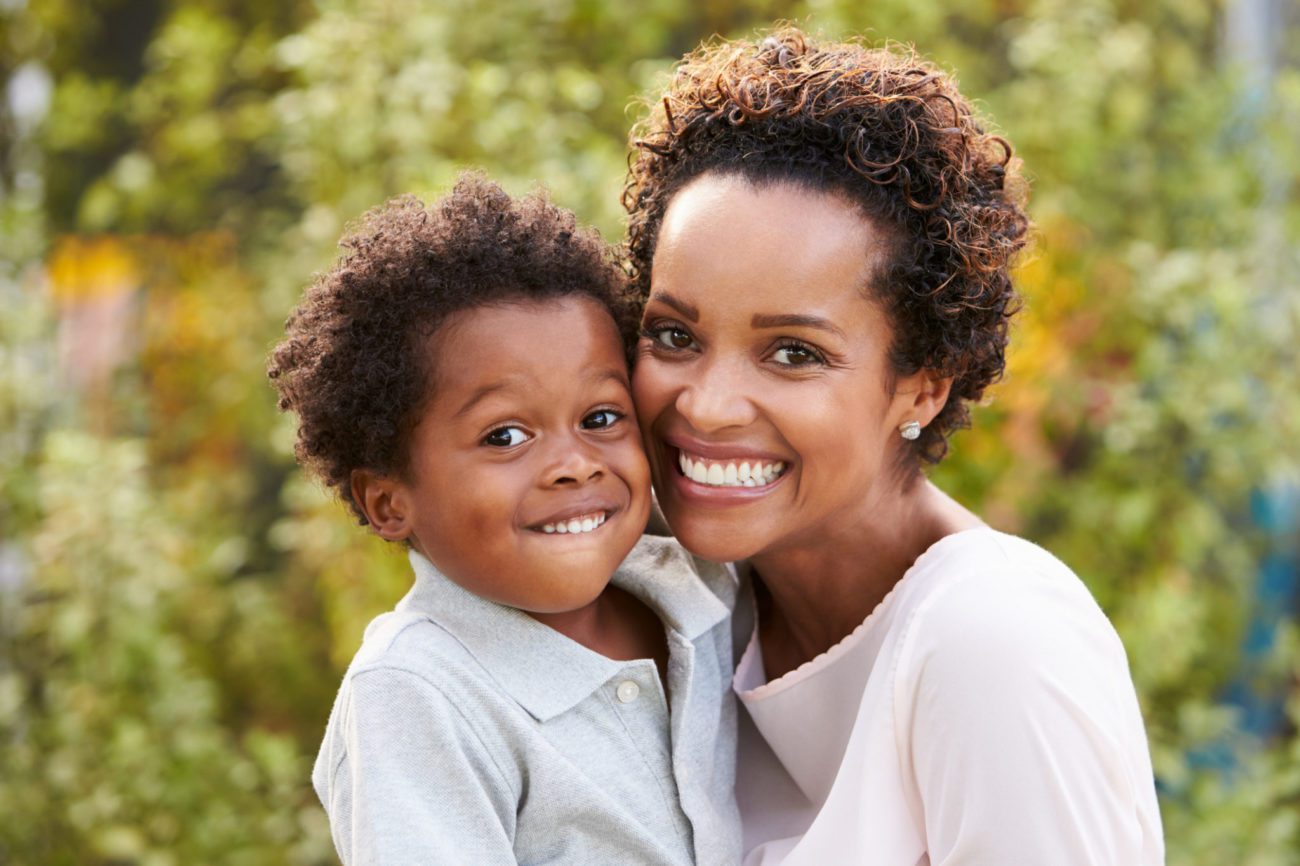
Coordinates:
(920, 397)
(385, 501)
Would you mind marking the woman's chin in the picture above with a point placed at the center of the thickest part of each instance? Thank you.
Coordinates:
(712, 536)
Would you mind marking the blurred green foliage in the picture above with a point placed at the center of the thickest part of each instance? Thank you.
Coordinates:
(177, 602)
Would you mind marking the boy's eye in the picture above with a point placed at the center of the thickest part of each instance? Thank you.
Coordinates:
(601, 419)
(796, 355)
(505, 437)
(671, 337)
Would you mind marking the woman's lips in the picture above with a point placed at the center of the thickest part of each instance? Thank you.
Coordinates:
(729, 472)
(723, 479)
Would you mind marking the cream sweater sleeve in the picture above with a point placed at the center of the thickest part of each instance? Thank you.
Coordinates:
(1019, 729)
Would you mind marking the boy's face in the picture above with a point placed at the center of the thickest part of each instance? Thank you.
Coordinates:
(528, 484)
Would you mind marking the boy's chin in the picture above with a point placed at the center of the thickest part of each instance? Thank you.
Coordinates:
(566, 603)
(578, 585)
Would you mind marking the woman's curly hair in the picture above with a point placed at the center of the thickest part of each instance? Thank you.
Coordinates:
(892, 134)
(355, 362)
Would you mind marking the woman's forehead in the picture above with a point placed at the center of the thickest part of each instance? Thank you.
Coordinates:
(775, 248)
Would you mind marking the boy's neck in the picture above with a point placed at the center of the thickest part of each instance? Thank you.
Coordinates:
(617, 625)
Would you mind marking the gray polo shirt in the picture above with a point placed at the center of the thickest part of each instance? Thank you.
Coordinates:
(467, 732)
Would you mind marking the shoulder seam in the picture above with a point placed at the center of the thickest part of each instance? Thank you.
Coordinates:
(412, 618)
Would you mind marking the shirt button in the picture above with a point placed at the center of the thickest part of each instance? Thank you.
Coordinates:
(627, 691)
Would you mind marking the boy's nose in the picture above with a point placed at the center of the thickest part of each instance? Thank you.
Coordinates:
(574, 463)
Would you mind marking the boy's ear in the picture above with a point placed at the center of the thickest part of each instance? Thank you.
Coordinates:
(385, 502)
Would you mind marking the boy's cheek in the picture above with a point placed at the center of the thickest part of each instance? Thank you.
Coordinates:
(636, 466)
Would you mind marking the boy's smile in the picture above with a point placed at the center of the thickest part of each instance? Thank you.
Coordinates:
(527, 483)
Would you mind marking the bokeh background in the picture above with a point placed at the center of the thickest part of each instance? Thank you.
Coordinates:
(177, 602)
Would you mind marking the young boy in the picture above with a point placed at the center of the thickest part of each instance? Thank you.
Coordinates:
(555, 688)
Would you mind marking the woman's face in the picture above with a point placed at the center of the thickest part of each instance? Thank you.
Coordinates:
(762, 379)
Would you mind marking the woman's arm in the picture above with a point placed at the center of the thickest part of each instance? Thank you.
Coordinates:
(1026, 742)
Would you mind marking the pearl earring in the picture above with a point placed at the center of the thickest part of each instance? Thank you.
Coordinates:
(910, 431)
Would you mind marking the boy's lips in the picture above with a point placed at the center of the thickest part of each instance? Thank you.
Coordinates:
(575, 519)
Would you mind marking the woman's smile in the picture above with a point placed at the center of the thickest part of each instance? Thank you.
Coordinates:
(728, 473)
(712, 485)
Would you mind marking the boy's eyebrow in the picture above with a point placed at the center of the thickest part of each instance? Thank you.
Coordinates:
(619, 376)
(479, 395)
(690, 312)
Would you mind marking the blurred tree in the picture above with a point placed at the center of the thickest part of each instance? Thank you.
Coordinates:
(177, 602)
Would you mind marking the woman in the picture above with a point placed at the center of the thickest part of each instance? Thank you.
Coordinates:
(822, 235)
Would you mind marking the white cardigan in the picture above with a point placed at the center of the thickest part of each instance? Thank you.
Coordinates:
(982, 714)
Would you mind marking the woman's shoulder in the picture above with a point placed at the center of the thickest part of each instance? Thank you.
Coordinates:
(1011, 680)
(992, 569)
(987, 598)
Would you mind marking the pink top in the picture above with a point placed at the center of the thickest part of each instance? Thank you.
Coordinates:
(982, 714)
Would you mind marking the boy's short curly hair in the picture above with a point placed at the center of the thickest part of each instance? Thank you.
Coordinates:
(890, 133)
(354, 364)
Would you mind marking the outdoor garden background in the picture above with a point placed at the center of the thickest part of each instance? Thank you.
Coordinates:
(177, 602)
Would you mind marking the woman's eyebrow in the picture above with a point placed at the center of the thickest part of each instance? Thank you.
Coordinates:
(796, 320)
(688, 311)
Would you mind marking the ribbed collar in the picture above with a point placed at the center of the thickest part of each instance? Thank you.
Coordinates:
(542, 670)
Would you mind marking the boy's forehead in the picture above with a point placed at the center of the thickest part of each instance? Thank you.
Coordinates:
(526, 349)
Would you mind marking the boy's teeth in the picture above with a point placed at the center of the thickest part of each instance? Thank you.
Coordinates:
(583, 523)
(743, 474)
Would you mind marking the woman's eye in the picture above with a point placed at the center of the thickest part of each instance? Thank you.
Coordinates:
(505, 437)
(601, 419)
(796, 356)
(673, 338)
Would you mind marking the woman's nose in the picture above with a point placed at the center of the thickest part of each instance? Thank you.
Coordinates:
(716, 398)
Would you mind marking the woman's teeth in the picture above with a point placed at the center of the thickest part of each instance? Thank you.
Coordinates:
(746, 474)
(581, 523)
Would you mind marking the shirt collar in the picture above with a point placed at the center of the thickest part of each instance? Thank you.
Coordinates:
(542, 670)
(676, 585)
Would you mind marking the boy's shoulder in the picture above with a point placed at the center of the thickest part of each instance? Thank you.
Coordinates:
(408, 640)
(410, 665)
(411, 647)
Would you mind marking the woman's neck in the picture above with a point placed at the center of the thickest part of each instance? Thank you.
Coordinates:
(813, 595)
